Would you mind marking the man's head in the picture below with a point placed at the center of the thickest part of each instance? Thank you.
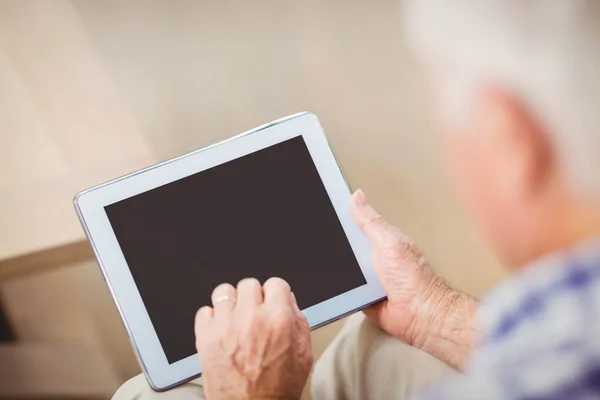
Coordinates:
(518, 86)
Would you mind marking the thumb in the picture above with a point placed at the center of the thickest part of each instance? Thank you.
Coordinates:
(379, 232)
(377, 315)
(374, 312)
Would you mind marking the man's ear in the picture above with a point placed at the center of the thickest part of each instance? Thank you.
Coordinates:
(519, 145)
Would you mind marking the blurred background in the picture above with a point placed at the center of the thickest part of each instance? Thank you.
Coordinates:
(90, 90)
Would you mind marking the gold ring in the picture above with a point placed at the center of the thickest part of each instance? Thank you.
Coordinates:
(224, 298)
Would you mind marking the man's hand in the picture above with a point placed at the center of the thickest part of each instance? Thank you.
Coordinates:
(421, 309)
(255, 343)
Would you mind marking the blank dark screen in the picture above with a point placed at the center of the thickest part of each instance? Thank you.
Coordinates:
(261, 215)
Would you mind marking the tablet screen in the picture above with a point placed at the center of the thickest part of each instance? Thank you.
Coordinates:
(261, 215)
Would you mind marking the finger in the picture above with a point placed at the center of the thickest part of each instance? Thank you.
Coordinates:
(203, 318)
(277, 291)
(379, 232)
(295, 303)
(249, 292)
(376, 314)
(294, 300)
(223, 299)
(296, 308)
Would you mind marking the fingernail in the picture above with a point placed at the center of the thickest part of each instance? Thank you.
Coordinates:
(360, 198)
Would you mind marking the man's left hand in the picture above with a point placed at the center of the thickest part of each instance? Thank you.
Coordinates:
(254, 343)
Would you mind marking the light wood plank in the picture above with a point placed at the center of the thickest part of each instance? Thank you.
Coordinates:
(47, 308)
(110, 335)
(46, 260)
(64, 124)
(54, 370)
(70, 303)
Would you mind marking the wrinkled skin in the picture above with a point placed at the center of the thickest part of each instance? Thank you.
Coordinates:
(257, 347)
(413, 289)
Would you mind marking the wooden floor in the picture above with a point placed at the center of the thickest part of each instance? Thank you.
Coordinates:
(91, 90)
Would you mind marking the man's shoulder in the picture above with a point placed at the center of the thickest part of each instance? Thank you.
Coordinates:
(547, 377)
(541, 336)
(565, 369)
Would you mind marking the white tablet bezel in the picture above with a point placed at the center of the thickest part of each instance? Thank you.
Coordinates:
(90, 207)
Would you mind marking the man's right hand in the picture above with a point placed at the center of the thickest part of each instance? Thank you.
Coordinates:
(421, 309)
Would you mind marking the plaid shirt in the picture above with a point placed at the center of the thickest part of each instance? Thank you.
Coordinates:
(541, 335)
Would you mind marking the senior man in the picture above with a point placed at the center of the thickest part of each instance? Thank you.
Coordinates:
(518, 84)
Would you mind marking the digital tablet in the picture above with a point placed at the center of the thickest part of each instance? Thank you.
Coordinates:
(271, 202)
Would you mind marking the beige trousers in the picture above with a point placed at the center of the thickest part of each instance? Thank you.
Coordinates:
(362, 362)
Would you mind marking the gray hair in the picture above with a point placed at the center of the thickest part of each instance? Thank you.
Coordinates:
(545, 52)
